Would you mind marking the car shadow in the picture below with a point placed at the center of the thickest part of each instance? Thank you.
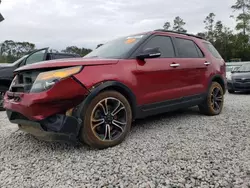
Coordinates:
(33, 143)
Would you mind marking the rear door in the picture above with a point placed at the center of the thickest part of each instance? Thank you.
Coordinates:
(193, 65)
(158, 79)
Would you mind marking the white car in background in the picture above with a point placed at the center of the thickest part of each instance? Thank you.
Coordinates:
(232, 66)
(229, 70)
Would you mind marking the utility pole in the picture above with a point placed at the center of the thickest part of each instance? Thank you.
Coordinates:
(1, 16)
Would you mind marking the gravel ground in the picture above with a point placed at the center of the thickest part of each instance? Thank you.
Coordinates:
(183, 149)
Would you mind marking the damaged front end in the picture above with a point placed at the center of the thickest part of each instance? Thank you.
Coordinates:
(58, 127)
(43, 109)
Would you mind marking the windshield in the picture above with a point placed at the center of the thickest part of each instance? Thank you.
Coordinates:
(244, 68)
(117, 48)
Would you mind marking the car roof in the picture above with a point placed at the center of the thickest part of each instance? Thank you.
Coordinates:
(178, 33)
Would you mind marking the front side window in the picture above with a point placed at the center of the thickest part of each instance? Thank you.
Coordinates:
(187, 48)
(164, 44)
(117, 48)
(36, 57)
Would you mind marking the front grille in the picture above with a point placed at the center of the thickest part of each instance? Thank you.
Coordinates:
(240, 80)
(24, 81)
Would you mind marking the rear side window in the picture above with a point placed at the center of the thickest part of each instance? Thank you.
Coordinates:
(187, 49)
(165, 45)
(212, 50)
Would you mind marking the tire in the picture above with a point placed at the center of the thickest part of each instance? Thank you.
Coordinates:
(3, 89)
(101, 137)
(231, 91)
(208, 107)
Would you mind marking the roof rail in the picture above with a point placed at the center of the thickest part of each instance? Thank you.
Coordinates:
(170, 31)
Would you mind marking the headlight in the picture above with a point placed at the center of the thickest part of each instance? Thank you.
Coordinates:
(229, 78)
(47, 80)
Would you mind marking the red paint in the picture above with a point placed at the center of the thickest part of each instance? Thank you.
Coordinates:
(67, 63)
(37, 106)
(152, 80)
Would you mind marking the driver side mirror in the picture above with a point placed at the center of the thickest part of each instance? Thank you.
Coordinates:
(149, 53)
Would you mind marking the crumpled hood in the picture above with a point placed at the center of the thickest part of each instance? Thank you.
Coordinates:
(67, 63)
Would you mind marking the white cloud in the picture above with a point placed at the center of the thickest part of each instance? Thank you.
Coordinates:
(59, 23)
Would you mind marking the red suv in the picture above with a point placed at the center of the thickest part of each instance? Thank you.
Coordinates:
(95, 99)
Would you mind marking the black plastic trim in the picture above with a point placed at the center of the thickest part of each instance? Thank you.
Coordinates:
(187, 34)
(58, 127)
(169, 105)
(217, 76)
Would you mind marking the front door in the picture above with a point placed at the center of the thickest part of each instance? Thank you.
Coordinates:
(158, 78)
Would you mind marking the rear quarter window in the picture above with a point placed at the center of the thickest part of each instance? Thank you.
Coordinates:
(212, 50)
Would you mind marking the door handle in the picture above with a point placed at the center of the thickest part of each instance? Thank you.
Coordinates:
(207, 63)
(174, 65)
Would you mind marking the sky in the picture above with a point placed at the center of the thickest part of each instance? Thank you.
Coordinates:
(86, 23)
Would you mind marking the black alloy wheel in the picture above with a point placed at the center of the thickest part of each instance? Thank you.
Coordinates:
(108, 119)
(214, 101)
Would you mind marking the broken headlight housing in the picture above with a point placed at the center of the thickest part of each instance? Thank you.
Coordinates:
(47, 80)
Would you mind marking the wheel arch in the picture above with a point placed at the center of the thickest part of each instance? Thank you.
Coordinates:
(218, 78)
(104, 86)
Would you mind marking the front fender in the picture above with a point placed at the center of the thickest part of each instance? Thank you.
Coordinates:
(98, 88)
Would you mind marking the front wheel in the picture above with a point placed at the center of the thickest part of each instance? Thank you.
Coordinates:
(107, 120)
(231, 91)
(214, 101)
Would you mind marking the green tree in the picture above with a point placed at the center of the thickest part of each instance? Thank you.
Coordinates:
(209, 26)
(11, 50)
(76, 50)
(99, 45)
(201, 34)
(222, 36)
(179, 24)
(167, 26)
(244, 17)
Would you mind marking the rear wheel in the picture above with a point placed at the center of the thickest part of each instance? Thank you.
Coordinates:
(214, 101)
(3, 89)
(107, 120)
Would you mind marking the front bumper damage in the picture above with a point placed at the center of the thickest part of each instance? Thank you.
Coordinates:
(59, 127)
(45, 115)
